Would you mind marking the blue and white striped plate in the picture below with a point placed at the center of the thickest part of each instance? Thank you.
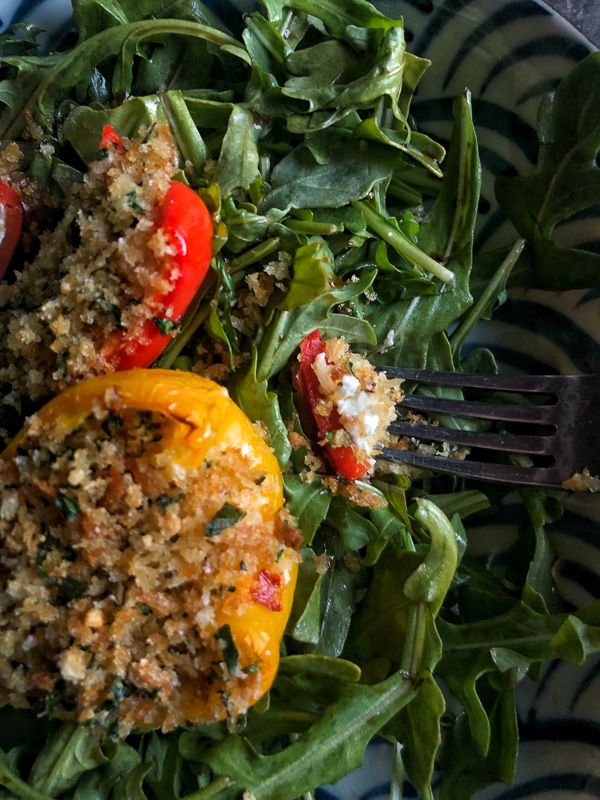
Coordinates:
(509, 53)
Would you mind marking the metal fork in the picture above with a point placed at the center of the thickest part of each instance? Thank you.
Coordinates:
(570, 407)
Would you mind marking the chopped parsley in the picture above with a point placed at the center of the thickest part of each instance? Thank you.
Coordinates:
(62, 358)
(225, 518)
(112, 423)
(165, 502)
(68, 506)
(71, 589)
(164, 325)
(133, 203)
(230, 651)
(149, 133)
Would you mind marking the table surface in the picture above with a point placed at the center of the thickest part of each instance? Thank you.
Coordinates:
(584, 14)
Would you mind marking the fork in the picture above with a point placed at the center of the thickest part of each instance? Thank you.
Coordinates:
(570, 407)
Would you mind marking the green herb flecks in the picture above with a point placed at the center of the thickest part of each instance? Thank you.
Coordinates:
(68, 506)
(225, 518)
(165, 326)
(230, 652)
(165, 502)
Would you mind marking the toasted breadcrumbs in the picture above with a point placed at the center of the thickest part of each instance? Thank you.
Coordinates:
(583, 482)
(109, 578)
(95, 274)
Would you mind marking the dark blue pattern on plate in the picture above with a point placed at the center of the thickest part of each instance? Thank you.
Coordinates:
(509, 53)
(24, 11)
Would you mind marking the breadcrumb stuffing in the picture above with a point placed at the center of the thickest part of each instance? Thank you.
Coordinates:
(110, 580)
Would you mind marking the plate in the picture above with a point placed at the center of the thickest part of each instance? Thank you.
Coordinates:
(508, 53)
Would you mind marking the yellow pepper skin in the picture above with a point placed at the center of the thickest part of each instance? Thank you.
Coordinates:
(200, 415)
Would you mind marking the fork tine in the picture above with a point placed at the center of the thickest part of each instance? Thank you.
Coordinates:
(507, 412)
(479, 470)
(509, 442)
(546, 384)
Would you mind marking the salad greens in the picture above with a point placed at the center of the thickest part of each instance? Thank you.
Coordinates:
(299, 137)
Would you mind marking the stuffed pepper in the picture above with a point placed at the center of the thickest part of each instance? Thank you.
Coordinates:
(148, 563)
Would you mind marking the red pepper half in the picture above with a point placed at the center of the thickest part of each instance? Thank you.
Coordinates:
(11, 220)
(342, 459)
(188, 225)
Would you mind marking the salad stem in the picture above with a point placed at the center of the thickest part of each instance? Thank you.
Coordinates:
(186, 133)
(212, 790)
(419, 640)
(311, 228)
(170, 355)
(401, 244)
(427, 792)
(466, 325)
(19, 787)
(397, 773)
(402, 191)
(409, 647)
(430, 186)
(255, 254)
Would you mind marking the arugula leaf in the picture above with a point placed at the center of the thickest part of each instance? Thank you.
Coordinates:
(305, 620)
(329, 749)
(252, 395)
(129, 786)
(74, 68)
(97, 784)
(290, 328)
(337, 18)
(355, 530)
(448, 233)
(338, 591)
(71, 751)
(333, 75)
(431, 580)
(300, 181)
(463, 768)
(481, 663)
(313, 267)
(93, 16)
(238, 160)
(566, 180)
(185, 134)
(417, 726)
(308, 503)
(539, 590)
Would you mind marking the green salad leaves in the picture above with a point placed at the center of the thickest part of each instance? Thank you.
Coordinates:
(566, 181)
(299, 137)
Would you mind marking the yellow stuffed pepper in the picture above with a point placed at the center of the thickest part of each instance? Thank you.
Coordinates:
(147, 558)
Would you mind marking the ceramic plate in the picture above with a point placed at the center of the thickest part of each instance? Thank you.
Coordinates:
(508, 53)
